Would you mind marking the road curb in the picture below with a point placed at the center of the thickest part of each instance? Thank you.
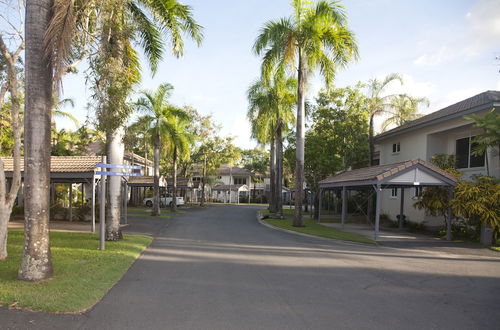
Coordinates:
(259, 219)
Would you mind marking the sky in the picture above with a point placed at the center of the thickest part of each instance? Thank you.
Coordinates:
(444, 49)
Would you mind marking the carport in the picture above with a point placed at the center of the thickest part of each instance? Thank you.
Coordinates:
(398, 175)
(138, 186)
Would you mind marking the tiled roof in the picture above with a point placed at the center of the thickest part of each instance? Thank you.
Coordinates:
(226, 169)
(61, 164)
(455, 110)
(380, 172)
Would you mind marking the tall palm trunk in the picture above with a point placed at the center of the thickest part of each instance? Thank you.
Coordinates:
(7, 199)
(174, 181)
(156, 177)
(36, 263)
(279, 168)
(272, 179)
(300, 137)
(370, 141)
(115, 153)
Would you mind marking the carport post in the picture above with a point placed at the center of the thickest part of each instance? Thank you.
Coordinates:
(344, 206)
(319, 206)
(102, 207)
(93, 204)
(401, 208)
(450, 215)
(377, 211)
(70, 202)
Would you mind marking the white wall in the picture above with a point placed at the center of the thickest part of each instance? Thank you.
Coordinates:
(424, 143)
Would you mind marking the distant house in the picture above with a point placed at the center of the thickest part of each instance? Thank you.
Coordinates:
(442, 132)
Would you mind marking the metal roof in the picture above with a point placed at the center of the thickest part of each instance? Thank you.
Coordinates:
(144, 181)
(385, 175)
(483, 101)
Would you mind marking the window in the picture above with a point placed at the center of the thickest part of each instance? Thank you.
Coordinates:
(394, 192)
(240, 181)
(464, 156)
(396, 147)
(417, 192)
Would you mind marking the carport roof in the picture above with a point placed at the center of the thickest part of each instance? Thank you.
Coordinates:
(61, 164)
(408, 173)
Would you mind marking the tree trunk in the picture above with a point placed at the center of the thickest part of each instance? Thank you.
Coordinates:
(114, 186)
(36, 263)
(370, 141)
(203, 181)
(174, 180)
(7, 199)
(272, 177)
(279, 168)
(156, 167)
(300, 137)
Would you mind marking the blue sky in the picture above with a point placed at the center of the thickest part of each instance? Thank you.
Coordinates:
(444, 49)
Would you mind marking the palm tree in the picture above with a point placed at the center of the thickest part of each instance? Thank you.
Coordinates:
(404, 108)
(153, 105)
(178, 141)
(378, 104)
(114, 27)
(316, 36)
(36, 263)
(270, 113)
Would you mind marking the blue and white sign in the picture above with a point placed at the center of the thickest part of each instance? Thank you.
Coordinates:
(117, 173)
(126, 167)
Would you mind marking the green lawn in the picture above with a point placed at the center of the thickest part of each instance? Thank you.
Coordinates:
(495, 248)
(82, 273)
(312, 228)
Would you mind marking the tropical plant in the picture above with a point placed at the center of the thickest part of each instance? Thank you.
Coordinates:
(403, 108)
(490, 136)
(114, 26)
(316, 36)
(270, 113)
(378, 104)
(154, 106)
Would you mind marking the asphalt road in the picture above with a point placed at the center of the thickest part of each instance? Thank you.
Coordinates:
(218, 268)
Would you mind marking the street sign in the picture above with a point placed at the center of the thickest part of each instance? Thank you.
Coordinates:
(117, 173)
(126, 167)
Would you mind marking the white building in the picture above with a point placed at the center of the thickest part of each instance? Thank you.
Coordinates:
(442, 132)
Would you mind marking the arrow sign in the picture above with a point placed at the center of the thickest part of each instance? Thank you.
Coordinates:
(117, 173)
(127, 167)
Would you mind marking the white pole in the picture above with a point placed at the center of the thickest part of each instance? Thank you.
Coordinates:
(102, 207)
(93, 203)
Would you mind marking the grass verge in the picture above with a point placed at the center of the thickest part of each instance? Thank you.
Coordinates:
(82, 273)
(495, 248)
(312, 228)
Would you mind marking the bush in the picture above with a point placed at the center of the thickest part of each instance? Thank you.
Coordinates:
(462, 230)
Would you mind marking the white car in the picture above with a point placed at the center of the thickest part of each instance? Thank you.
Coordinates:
(164, 201)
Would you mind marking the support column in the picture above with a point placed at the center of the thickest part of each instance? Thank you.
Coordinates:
(93, 204)
(377, 212)
(401, 208)
(70, 202)
(320, 204)
(450, 215)
(344, 206)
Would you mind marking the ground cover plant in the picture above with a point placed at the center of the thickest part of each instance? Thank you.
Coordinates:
(82, 273)
(313, 228)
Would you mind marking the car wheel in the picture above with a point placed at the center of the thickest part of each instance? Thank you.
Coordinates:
(170, 204)
(149, 204)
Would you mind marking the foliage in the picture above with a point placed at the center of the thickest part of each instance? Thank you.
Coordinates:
(403, 109)
(255, 160)
(490, 123)
(435, 200)
(83, 274)
(479, 198)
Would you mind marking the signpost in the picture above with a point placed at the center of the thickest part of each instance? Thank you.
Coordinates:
(102, 190)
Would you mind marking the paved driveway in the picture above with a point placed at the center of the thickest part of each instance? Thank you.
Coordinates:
(218, 268)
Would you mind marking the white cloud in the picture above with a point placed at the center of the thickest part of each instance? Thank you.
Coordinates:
(481, 33)
(411, 86)
(240, 129)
